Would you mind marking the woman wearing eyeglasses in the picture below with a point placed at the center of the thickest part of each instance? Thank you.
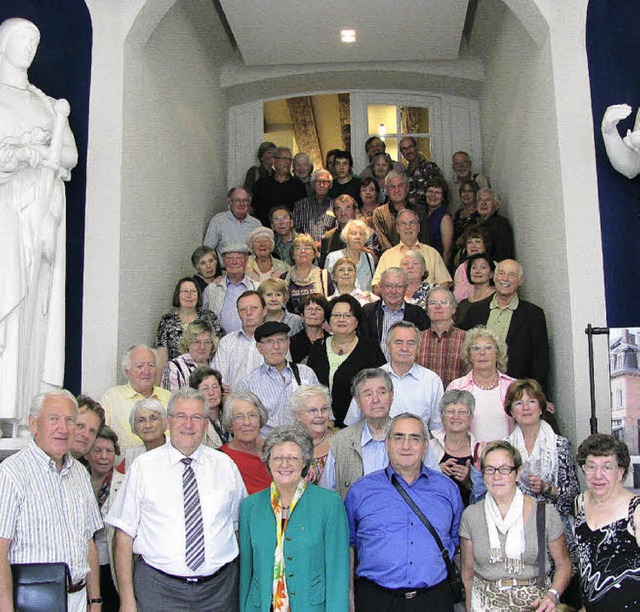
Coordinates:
(499, 543)
(209, 382)
(198, 344)
(294, 536)
(243, 416)
(148, 420)
(311, 407)
(337, 359)
(304, 277)
(607, 528)
(486, 353)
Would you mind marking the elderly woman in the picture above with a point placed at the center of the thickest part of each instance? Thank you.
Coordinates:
(473, 244)
(314, 307)
(294, 537)
(499, 542)
(456, 448)
(486, 354)
(381, 165)
(148, 420)
(209, 382)
(243, 416)
(204, 260)
(337, 359)
(355, 234)
(439, 221)
(198, 344)
(370, 196)
(343, 274)
(304, 277)
(607, 528)
(418, 287)
(106, 482)
(264, 167)
(479, 269)
(311, 407)
(274, 292)
(261, 265)
(187, 300)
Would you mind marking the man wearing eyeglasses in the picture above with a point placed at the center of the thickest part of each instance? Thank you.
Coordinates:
(280, 188)
(312, 215)
(277, 378)
(175, 516)
(231, 226)
(522, 325)
(461, 164)
(419, 171)
(408, 228)
(399, 565)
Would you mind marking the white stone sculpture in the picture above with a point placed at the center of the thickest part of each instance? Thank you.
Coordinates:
(624, 153)
(37, 153)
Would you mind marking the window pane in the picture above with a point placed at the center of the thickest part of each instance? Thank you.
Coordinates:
(382, 114)
(392, 147)
(424, 146)
(415, 120)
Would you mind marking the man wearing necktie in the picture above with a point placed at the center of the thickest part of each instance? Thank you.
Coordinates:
(175, 517)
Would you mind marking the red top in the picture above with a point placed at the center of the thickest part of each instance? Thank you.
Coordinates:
(253, 471)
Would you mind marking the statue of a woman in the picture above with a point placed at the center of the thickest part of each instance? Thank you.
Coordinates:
(624, 153)
(37, 153)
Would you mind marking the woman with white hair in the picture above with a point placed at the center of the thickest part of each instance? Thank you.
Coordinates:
(414, 264)
(261, 265)
(148, 420)
(355, 235)
(311, 407)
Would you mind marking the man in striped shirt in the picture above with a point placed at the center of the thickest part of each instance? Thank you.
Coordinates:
(41, 486)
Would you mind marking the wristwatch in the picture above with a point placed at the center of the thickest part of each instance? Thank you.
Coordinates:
(555, 594)
(95, 600)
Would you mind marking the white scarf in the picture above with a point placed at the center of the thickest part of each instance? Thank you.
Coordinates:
(544, 453)
(512, 525)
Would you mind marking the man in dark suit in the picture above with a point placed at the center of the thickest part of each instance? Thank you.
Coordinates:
(521, 324)
(379, 316)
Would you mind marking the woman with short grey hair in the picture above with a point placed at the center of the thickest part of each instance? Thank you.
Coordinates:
(148, 420)
(311, 407)
(243, 416)
(455, 447)
(294, 536)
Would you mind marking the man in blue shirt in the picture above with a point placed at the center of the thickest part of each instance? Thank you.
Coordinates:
(400, 567)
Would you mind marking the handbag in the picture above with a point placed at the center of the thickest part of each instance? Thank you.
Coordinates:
(40, 586)
(453, 574)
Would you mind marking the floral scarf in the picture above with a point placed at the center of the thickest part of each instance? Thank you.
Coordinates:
(105, 488)
(280, 602)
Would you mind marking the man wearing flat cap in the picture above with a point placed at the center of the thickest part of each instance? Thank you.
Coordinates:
(231, 226)
(221, 296)
(276, 379)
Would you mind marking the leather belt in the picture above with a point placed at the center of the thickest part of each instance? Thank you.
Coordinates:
(78, 586)
(189, 579)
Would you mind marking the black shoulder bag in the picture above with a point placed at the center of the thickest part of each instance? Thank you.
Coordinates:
(453, 574)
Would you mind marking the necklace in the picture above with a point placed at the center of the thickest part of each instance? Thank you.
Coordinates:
(455, 450)
(491, 385)
(340, 350)
(316, 444)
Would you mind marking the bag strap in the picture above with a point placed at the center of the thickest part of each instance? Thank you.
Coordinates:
(542, 545)
(426, 523)
(296, 372)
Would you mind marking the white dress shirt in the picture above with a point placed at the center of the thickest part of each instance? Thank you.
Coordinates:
(150, 508)
(236, 357)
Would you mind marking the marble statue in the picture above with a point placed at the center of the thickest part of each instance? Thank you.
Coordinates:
(37, 153)
(624, 153)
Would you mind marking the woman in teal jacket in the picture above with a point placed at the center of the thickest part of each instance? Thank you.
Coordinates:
(294, 536)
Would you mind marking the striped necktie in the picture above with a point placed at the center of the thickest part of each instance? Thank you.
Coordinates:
(194, 554)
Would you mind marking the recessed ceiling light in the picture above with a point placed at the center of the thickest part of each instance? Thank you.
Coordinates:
(348, 36)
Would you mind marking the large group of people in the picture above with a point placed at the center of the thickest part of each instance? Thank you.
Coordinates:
(349, 400)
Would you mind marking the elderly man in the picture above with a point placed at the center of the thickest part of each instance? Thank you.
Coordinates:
(403, 569)
(441, 343)
(177, 512)
(344, 182)
(408, 228)
(237, 354)
(48, 510)
(461, 164)
(416, 389)
(231, 226)
(373, 146)
(139, 368)
(221, 297)
(379, 316)
(302, 169)
(281, 188)
(522, 325)
(282, 225)
(419, 171)
(276, 379)
(311, 215)
(89, 422)
(384, 217)
(496, 228)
